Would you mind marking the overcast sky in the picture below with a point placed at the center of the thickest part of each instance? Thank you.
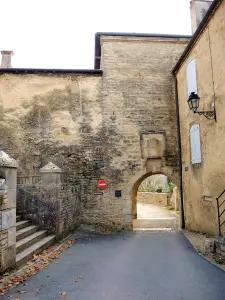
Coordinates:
(60, 33)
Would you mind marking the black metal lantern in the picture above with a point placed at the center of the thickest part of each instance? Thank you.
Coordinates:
(193, 102)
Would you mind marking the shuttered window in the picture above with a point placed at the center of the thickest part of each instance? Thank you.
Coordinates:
(192, 77)
(196, 156)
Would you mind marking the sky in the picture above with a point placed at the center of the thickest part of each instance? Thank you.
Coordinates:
(61, 33)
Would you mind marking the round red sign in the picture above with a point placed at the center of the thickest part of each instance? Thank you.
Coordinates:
(102, 184)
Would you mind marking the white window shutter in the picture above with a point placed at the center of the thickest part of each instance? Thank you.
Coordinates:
(196, 156)
(192, 77)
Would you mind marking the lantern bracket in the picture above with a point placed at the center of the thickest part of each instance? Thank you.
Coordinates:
(210, 115)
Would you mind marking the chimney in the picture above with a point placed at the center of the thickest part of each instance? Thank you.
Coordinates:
(6, 58)
(198, 11)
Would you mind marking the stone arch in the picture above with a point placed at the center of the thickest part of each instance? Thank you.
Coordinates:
(174, 177)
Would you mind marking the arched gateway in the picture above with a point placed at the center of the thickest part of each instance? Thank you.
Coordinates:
(173, 176)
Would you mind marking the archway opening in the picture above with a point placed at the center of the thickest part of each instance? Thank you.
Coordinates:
(155, 203)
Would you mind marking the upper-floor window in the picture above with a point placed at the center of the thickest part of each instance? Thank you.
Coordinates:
(191, 77)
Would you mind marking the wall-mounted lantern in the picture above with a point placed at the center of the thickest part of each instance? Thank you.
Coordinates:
(193, 102)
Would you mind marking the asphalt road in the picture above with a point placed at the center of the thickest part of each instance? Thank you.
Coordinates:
(122, 266)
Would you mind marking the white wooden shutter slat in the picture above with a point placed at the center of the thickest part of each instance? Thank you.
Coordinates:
(192, 77)
(196, 156)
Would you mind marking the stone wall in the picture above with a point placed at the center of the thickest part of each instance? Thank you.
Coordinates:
(7, 212)
(51, 204)
(120, 126)
(139, 103)
(160, 199)
(204, 182)
(175, 199)
(56, 209)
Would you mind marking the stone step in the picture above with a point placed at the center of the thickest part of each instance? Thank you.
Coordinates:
(155, 223)
(18, 218)
(24, 232)
(36, 248)
(22, 224)
(30, 240)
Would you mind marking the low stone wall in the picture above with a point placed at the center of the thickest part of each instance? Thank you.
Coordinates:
(49, 203)
(53, 208)
(8, 173)
(153, 198)
(40, 204)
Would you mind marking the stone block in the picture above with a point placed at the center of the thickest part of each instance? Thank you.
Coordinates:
(154, 166)
(128, 219)
(153, 145)
(3, 187)
(127, 211)
(11, 177)
(209, 246)
(51, 178)
(11, 193)
(8, 258)
(11, 236)
(8, 218)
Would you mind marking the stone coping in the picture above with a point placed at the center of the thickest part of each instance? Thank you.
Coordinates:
(7, 161)
(50, 168)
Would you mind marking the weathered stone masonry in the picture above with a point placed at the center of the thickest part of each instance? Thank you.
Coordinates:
(91, 125)
(8, 173)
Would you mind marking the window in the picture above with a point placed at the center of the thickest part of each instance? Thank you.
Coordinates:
(196, 156)
(191, 77)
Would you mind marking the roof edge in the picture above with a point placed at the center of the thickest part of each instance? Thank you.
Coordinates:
(212, 9)
(97, 54)
(133, 34)
(49, 71)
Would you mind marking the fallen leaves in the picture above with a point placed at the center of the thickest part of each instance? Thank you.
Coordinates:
(80, 276)
(76, 280)
(63, 294)
(38, 262)
(104, 232)
(21, 292)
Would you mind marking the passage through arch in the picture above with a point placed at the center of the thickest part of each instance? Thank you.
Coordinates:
(155, 203)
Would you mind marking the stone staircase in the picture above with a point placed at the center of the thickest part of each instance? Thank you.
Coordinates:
(30, 240)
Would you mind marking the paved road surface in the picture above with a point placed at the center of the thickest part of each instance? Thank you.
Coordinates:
(128, 266)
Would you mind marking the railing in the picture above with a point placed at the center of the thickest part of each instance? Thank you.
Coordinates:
(33, 179)
(28, 179)
(220, 211)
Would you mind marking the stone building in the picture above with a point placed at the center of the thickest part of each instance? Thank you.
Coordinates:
(122, 122)
(200, 70)
(116, 123)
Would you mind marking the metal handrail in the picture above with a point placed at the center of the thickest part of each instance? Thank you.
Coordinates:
(220, 214)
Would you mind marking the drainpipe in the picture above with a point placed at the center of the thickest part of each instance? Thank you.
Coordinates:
(179, 156)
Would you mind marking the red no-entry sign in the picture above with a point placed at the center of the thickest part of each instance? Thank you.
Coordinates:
(102, 184)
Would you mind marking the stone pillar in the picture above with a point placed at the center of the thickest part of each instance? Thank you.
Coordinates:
(8, 182)
(6, 59)
(51, 176)
(198, 10)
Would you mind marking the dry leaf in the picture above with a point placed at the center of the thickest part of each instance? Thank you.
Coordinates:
(80, 276)
(21, 292)
(76, 280)
(63, 293)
